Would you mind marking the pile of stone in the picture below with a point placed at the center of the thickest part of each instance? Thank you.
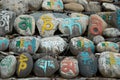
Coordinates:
(70, 38)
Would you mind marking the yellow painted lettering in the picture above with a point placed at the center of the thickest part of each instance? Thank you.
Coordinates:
(21, 43)
(112, 59)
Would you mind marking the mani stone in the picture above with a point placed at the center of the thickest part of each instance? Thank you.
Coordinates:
(46, 66)
(24, 65)
(6, 22)
(96, 26)
(109, 64)
(18, 6)
(87, 64)
(70, 1)
(69, 67)
(47, 25)
(98, 39)
(34, 5)
(8, 66)
(53, 44)
(80, 44)
(75, 14)
(74, 26)
(75, 7)
(111, 32)
(108, 46)
(55, 5)
(4, 43)
(24, 44)
(25, 25)
(110, 7)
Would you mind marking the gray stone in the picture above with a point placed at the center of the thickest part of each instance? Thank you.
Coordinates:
(75, 7)
(70, 1)
(80, 44)
(24, 65)
(111, 32)
(109, 64)
(53, 44)
(98, 39)
(74, 26)
(110, 7)
(107, 46)
(4, 43)
(69, 67)
(45, 66)
(18, 6)
(24, 44)
(6, 22)
(87, 64)
(25, 25)
(96, 26)
(8, 66)
(106, 0)
(52, 5)
(47, 25)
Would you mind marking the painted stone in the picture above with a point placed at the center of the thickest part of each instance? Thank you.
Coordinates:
(110, 7)
(47, 25)
(106, 16)
(69, 67)
(70, 1)
(60, 15)
(111, 32)
(108, 46)
(98, 39)
(87, 64)
(18, 6)
(8, 66)
(25, 25)
(80, 44)
(74, 26)
(53, 44)
(75, 14)
(46, 66)
(55, 5)
(75, 7)
(34, 5)
(116, 19)
(96, 26)
(4, 43)
(109, 64)
(6, 22)
(24, 65)
(24, 44)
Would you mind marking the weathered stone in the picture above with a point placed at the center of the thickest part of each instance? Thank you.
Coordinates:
(87, 64)
(75, 7)
(108, 46)
(24, 44)
(107, 17)
(4, 43)
(111, 32)
(69, 67)
(25, 25)
(80, 44)
(116, 19)
(109, 64)
(96, 26)
(98, 39)
(6, 22)
(54, 45)
(60, 15)
(74, 26)
(18, 6)
(106, 0)
(77, 15)
(110, 6)
(47, 25)
(55, 5)
(34, 4)
(93, 6)
(70, 1)
(24, 65)
(8, 66)
(83, 2)
(46, 66)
